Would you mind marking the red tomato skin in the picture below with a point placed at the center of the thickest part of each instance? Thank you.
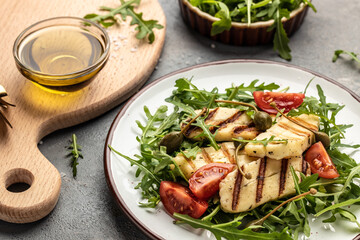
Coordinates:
(204, 183)
(286, 101)
(178, 198)
(320, 161)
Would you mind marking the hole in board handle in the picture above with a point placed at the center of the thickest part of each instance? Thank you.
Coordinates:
(18, 180)
(18, 187)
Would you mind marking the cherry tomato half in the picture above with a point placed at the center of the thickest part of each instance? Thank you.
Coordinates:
(179, 199)
(320, 161)
(286, 101)
(204, 183)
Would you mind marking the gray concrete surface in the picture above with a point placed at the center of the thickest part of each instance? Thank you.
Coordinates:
(86, 209)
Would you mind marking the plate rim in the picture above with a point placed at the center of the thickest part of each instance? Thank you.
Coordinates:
(107, 164)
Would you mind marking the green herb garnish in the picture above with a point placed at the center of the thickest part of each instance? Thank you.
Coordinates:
(230, 230)
(126, 9)
(250, 11)
(264, 141)
(75, 153)
(353, 55)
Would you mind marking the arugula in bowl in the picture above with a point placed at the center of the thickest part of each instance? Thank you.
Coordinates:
(228, 12)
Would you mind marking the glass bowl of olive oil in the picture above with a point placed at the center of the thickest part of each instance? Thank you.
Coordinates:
(61, 51)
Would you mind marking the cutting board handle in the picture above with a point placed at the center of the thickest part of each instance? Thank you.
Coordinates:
(40, 111)
(40, 198)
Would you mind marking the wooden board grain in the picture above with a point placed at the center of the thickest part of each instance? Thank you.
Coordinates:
(39, 112)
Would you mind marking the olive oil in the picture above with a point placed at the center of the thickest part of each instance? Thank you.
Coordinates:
(60, 50)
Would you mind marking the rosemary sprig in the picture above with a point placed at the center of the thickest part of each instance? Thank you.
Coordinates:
(75, 153)
(144, 28)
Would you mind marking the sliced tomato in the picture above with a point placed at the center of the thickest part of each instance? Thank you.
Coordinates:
(284, 101)
(179, 199)
(320, 161)
(204, 183)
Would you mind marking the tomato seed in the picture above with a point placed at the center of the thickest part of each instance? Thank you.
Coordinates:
(220, 170)
(317, 163)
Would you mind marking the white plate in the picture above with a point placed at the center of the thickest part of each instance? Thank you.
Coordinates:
(120, 176)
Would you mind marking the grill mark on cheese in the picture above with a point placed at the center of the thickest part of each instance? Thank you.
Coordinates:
(284, 167)
(294, 131)
(304, 166)
(206, 156)
(244, 128)
(236, 190)
(227, 154)
(190, 162)
(231, 119)
(207, 119)
(211, 114)
(190, 129)
(260, 180)
(306, 124)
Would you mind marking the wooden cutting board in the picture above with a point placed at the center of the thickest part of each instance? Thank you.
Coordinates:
(39, 112)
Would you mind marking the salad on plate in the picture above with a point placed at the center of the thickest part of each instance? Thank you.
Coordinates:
(252, 162)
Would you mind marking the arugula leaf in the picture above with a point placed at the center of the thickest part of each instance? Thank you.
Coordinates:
(231, 232)
(338, 205)
(264, 141)
(191, 153)
(305, 222)
(281, 41)
(149, 127)
(138, 164)
(306, 182)
(337, 53)
(248, 4)
(144, 27)
(348, 215)
(224, 23)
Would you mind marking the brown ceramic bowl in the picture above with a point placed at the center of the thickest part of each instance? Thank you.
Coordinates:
(240, 33)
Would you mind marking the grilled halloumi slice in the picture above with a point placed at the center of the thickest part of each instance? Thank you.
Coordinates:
(298, 138)
(270, 180)
(230, 123)
(207, 155)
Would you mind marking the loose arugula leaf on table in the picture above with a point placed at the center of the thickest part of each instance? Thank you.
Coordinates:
(75, 154)
(337, 53)
(144, 28)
